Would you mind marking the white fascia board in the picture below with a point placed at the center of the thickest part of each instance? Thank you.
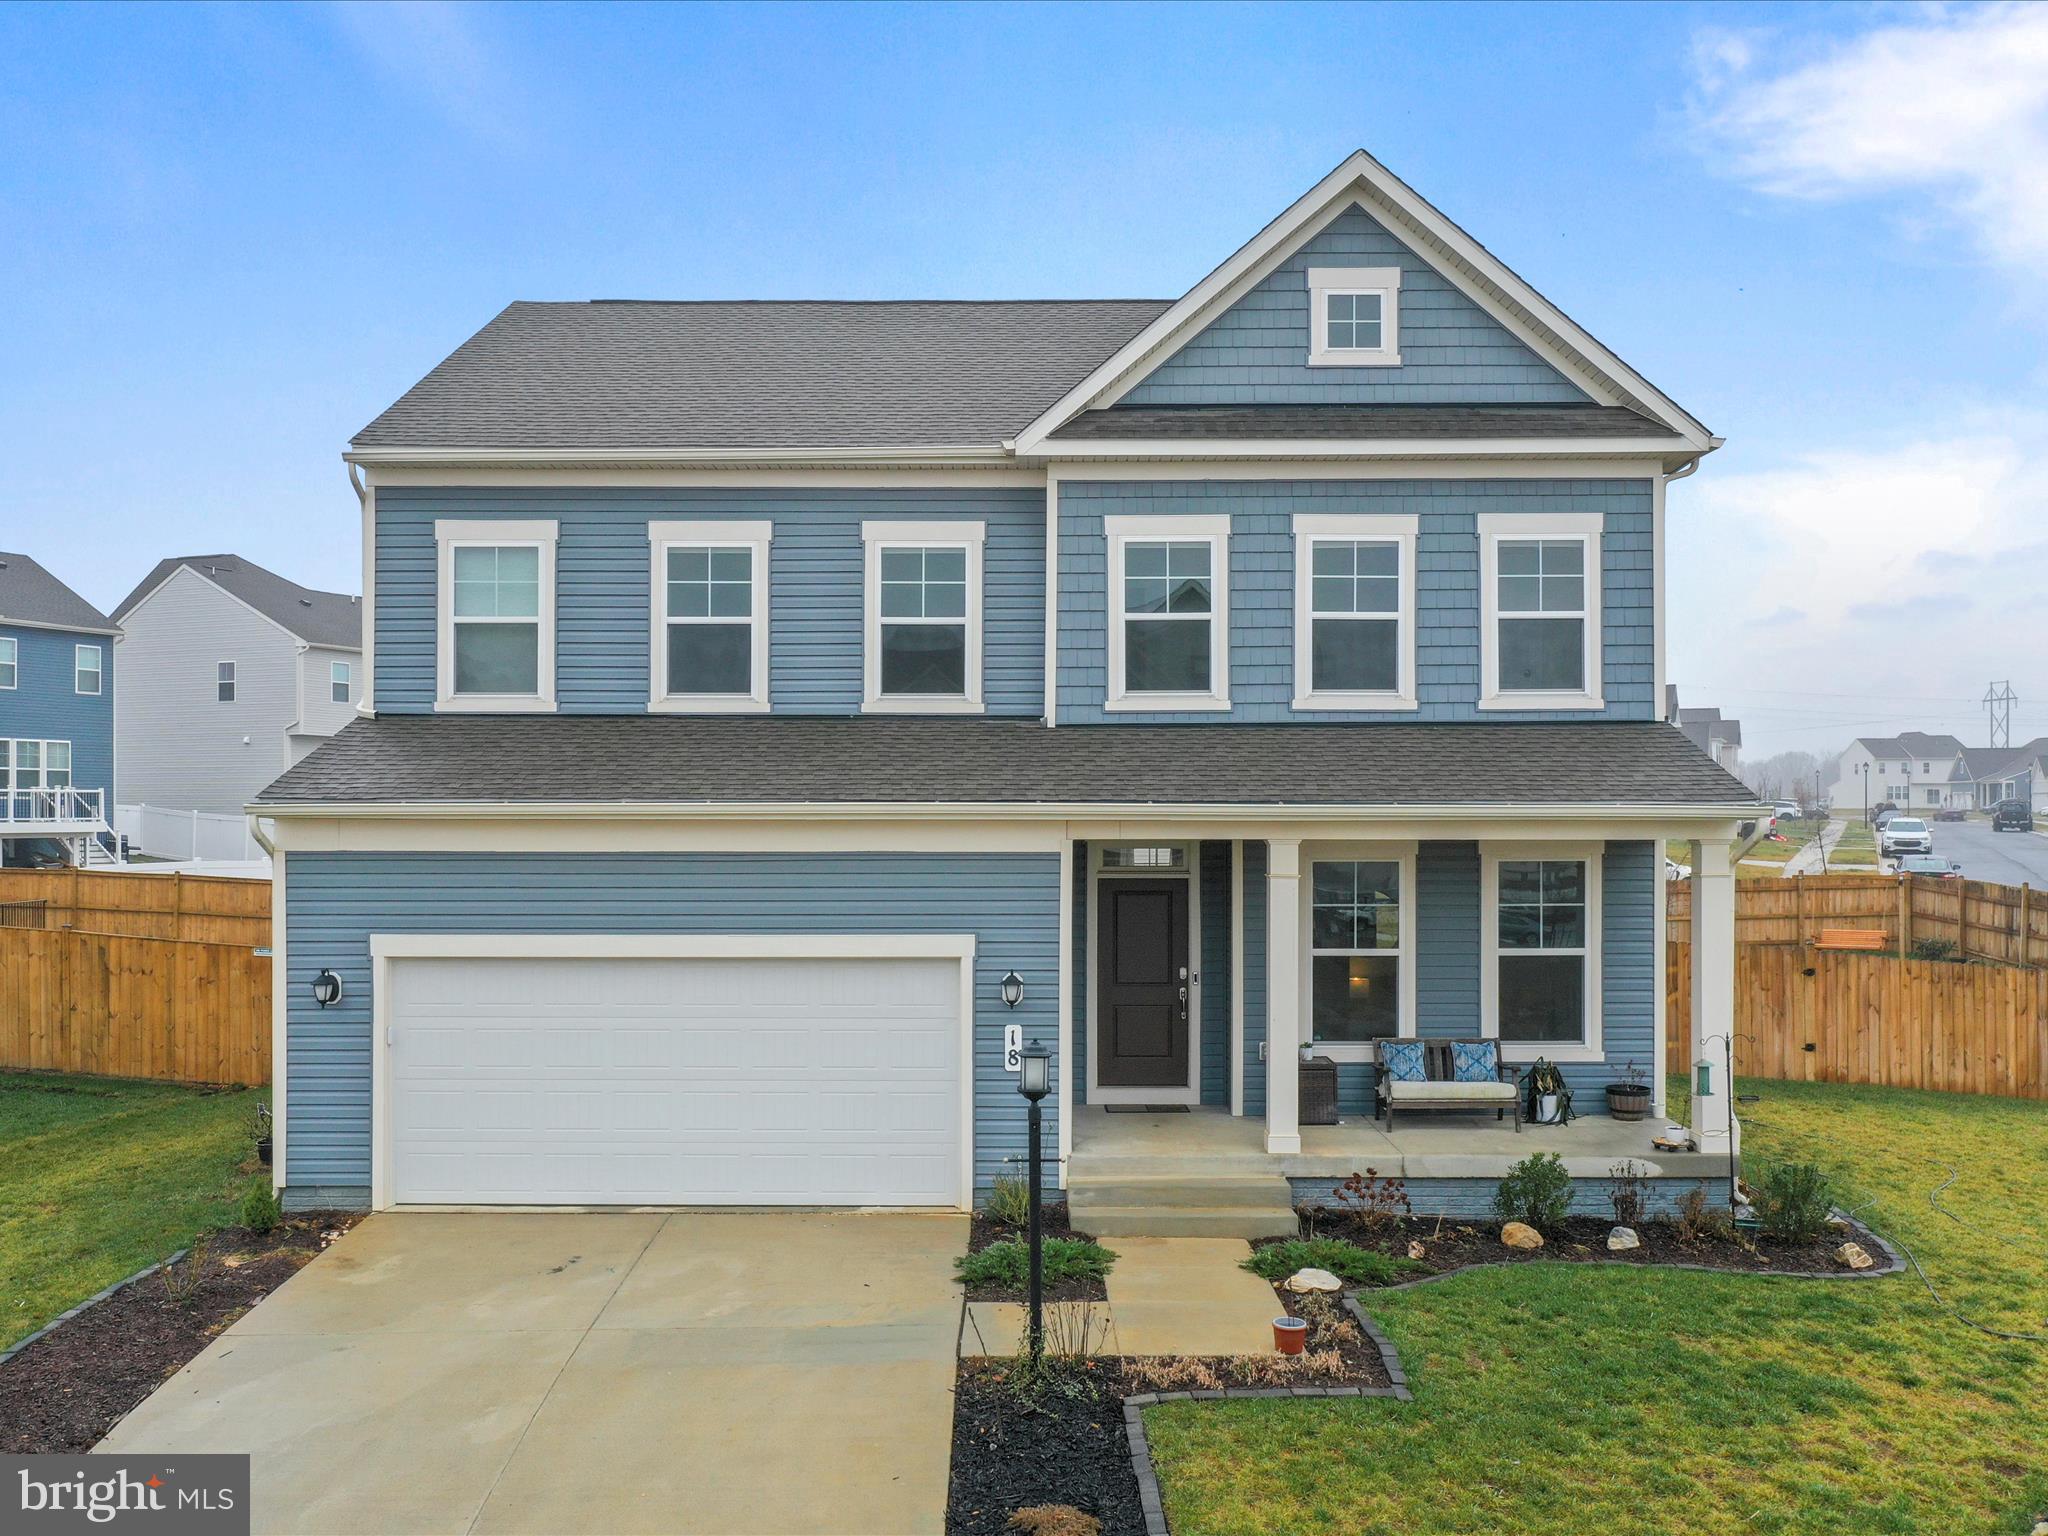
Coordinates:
(1365, 448)
(1497, 289)
(61, 629)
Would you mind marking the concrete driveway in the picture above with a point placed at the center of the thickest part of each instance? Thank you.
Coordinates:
(687, 1372)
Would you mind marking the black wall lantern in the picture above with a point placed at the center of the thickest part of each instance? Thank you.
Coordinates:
(326, 988)
(1013, 990)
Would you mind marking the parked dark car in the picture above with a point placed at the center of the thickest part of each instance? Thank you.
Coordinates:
(1930, 864)
(1880, 814)
(1952, 813)
(2012, 816)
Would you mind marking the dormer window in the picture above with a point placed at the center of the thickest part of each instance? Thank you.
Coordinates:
(1354, 317)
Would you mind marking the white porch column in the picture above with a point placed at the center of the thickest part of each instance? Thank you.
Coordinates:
(1713, 995)
(1283, 995)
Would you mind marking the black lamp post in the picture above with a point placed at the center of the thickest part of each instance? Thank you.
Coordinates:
(1034, 1081)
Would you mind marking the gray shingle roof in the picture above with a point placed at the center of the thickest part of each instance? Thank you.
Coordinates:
(31, 595)
(1330, 422)
(785, 759)
(316, 617)
(758, 375)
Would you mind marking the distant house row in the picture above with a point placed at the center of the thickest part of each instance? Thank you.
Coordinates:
(209, 680)
(1921, 771)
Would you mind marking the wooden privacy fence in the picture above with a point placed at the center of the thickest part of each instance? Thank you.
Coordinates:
(137, 976)
(2005, 924)
(1816, 1016)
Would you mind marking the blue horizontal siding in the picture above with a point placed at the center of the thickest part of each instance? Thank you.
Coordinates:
(1447, 616)
(44, 704)
(1256, 351)
(816, 570)
(335, 901)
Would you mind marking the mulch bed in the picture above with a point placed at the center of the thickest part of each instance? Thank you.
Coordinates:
(1452, 1245)
(63, 1392)
(1052, 1222)
(1060, 1445)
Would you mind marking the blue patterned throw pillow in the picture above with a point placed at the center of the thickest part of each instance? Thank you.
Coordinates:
(1403, 1060)
(1474, 1061)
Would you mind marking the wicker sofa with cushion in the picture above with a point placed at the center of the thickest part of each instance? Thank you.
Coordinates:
(1463, 1075)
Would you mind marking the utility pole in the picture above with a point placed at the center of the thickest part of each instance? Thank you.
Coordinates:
(1998, 702)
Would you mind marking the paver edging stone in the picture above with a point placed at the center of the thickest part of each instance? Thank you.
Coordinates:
(93, 1300)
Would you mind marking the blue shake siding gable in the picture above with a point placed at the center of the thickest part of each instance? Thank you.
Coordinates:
(1447, 598)
(44, 704)
(816, 567)
(335, 901)
(1256, 351)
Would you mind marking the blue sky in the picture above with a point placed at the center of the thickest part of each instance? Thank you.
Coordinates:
(228, 237)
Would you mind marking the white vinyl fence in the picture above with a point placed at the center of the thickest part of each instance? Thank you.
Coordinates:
(163, 833)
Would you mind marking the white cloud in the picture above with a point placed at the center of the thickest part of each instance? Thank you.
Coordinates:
(1952, 105)
(1866, 591)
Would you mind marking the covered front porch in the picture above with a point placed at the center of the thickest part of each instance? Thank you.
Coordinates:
(1196, 965)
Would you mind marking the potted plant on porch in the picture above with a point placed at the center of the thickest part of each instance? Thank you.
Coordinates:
(1629, 1099)
(1550, 1097)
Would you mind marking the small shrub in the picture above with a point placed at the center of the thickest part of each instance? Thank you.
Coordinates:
(1935, 949)
(1172, 1373)
(260, 1211)
(1698, 1221)
(181, 1281)
(1626, 1194)
(1009, 1202)
(1347, 1261)
(1372, 1202)
(1008, 1263)
(1793, 1201)
(1536, 1190)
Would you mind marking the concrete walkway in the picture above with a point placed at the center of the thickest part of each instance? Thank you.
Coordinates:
(1809, 860)
(687, 1372)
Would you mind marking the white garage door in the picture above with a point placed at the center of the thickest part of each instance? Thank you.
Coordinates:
(675, 1081)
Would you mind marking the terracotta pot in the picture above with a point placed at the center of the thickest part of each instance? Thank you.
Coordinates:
(1290, 1334)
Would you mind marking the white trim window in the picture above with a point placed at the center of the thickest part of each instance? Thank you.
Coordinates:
(56, 765)
(496, 615)
(10, 661)
(1354, 317)
(921, 650)
(28, 766)
(1540, 980)
(1169, 612)
(224, 682)
(1539, 587)
(340, 678)
(1358, 982)
(710, 616)
(88, 669)
(1354, 611)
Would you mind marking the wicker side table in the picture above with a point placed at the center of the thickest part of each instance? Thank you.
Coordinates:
(1319, 1091)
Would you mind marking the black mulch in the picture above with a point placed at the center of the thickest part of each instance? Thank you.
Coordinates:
(1061, 1445)
(1450, 1245)
(67, 1389)
(1052, 1222)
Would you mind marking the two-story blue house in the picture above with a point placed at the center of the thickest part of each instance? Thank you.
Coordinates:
(56, 720)
(778, 710)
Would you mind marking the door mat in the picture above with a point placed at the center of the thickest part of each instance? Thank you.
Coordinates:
(1146, 1109)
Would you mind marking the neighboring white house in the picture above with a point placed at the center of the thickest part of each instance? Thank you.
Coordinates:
(230, 674)
(1912, 770)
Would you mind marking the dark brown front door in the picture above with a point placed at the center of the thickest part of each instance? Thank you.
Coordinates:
(1141, 969)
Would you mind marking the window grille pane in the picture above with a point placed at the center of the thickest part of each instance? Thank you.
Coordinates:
(924, 659)
(710, 658)
(1543, 655)
(1354, 655)
(1166, 656)
(497, 658)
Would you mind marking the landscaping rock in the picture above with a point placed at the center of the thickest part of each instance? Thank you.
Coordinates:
(1621, 1239)
(1841, 1224)
(1312, 1280)
(1415, 1249)
(1853, 1255)
(1519, 1234)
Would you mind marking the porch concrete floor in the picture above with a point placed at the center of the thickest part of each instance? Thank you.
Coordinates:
(1425, 1146)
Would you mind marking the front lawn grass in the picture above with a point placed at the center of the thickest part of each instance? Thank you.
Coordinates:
(1562, 1398)
(101, 1176)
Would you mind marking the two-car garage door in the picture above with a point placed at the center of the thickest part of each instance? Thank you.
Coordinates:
(698, 1080)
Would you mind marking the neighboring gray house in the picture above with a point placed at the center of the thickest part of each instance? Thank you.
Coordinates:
(1720, 739)
(229, 675)
(779, 711)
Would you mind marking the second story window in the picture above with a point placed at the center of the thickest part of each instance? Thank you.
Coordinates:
(1354, 611)
(339, 679)
(1540, 600)
(497, 615)
(1169, 618)
(923, 618)
(1354, 317)
(710, 616)
(86, 672)
(224, 681)
(10, 661)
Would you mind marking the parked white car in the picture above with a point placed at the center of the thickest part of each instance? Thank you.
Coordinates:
(1903, 835)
